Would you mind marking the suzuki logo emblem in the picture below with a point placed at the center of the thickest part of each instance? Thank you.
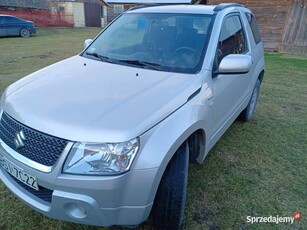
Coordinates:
(19, 139)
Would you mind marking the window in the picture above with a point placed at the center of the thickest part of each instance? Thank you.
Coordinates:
(62, 9)
(130, 33)
(118, 9)
(166, 42)
(252, 22)
(11, 20)
(232, 38)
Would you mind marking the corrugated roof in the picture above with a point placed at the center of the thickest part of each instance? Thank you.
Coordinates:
(34, 4)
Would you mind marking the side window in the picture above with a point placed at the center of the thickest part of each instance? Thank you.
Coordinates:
(11, 20)
(253, 25)
(232, 38)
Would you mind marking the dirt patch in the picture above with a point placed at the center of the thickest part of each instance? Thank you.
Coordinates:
(292, 107)
(41, 56)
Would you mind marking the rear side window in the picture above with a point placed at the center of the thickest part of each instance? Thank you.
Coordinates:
(252, 22)
(11, 20)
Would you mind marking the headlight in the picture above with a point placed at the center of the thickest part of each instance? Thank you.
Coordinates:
(101, 159)
(1, 103)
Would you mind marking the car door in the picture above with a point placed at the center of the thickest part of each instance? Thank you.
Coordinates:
(2, 26)
(230, 90)
(12, 26)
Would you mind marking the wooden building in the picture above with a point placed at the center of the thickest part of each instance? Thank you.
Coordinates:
(45, 13)
(294, 38)
(85, 13)
(115, 10)
(282, 23)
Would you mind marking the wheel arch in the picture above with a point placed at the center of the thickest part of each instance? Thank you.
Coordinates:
(191, 134)
(197, 144)
(261, 75)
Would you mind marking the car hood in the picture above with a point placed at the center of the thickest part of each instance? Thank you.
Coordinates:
(80, 99)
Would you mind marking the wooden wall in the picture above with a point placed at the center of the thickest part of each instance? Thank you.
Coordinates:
(271, 16)
(295, 34)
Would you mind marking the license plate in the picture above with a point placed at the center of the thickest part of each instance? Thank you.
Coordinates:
(19, 174)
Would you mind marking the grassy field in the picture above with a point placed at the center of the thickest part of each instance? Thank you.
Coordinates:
(258, 168)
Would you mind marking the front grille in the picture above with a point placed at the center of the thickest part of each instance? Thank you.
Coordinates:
(39, 147)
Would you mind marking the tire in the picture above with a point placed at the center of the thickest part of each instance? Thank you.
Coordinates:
(248, 112)
(25, 33)
(168, 208)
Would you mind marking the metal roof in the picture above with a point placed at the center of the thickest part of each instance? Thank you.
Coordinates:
(33, 4)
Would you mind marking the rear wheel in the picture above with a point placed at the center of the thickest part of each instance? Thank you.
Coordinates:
(248, 112)
(168, 208)
(25, 33)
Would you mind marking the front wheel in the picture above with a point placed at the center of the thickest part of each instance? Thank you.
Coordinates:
(248, 112)
(25, 33)
(168, 208)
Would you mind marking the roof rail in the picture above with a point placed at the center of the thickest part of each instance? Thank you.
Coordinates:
(223, 6)
(151, 3)
(145, 2)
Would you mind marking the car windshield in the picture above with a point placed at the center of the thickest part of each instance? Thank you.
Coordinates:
(159, 41)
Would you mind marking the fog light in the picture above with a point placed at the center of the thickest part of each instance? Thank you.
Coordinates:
(75, 210)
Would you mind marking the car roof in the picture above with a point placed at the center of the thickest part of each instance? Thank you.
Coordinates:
(6, 15)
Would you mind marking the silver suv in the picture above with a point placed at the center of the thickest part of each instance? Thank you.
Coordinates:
(105, 137)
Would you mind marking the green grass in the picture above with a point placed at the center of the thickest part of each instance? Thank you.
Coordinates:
(19, 57)
(258, 168)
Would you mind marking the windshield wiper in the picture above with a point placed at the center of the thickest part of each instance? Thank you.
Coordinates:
(143, 64)
(101, 57)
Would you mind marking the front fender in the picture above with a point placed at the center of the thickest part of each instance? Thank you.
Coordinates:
(158, 145)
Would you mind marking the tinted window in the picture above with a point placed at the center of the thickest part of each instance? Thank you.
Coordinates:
(252, 22)
(12, 20)
(232, 38)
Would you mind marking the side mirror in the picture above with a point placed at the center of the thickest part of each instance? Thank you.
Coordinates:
(87, 42)
(235, 64)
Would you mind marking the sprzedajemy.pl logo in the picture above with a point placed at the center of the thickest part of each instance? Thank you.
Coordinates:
(273, 219)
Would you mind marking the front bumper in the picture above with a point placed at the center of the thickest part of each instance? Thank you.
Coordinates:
(95, 200)
(32, 30)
